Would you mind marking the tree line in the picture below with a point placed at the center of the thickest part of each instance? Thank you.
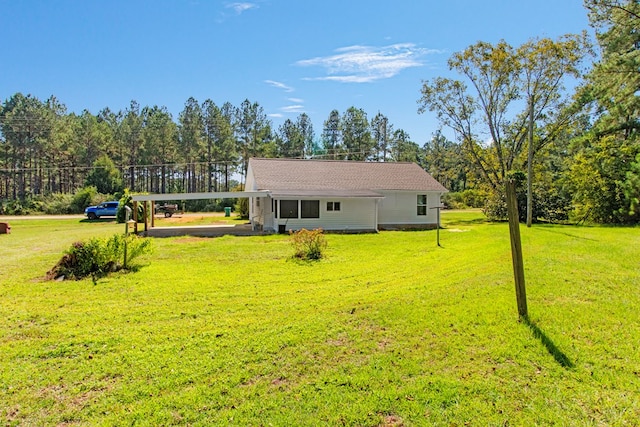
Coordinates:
(574, 152)
(47, 150)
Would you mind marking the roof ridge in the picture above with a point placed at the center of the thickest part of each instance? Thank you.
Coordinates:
(290, 159)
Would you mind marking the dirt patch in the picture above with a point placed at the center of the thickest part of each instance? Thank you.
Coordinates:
(393, 421)
(201, 218)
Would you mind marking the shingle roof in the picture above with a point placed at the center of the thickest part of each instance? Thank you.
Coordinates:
(336, 175)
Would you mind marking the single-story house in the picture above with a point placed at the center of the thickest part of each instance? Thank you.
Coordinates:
(343, 196)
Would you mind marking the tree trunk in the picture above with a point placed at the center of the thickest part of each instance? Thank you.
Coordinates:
(516, 247)
(530, 167)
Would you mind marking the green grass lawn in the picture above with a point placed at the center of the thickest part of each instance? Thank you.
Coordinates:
(387, 330)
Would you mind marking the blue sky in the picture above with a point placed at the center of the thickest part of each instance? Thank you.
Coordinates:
(290, 56)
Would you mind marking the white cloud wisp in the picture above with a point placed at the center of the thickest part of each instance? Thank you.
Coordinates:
(279, 85)
(239, 7)
(363, 64)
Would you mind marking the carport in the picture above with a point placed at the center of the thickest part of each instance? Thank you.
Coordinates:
(148, 202)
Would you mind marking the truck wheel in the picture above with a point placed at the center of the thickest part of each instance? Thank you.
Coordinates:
(167, 214)
(91, 216)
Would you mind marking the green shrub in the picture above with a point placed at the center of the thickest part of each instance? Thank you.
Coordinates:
(127, 200)
(470, 198)
(29, 205)
(308, 244)
(98, 257)
(14, 207)
(242, 208)
(549, 204)
(84, 197)
(57, 204)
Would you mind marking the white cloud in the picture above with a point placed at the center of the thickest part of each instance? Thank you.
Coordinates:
(293, 109)
(279, 85)
(241, 7)
(276, 115)
(362, 64)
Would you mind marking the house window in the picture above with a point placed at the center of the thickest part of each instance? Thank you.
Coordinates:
(422, 204)
(288, 209)
(274, 207)
(310, 208)
(333, 206)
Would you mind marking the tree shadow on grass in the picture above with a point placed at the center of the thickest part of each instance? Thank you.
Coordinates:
(553, 350)
(557, 231)
(464, 221)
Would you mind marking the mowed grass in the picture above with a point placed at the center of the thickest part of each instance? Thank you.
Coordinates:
(387, 330)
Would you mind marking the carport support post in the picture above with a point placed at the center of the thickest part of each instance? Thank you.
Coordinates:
(145, 212)
(153, 214)
(135, 216)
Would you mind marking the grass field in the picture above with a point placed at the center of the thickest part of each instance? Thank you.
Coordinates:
(387, 330)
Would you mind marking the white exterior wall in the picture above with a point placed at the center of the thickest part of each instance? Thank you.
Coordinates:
(355, 214)
(401, 208)
(259, 207)
(260, 214)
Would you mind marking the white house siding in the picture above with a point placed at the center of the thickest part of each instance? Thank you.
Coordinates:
(401, 208)
(356, 214)
(260, 214)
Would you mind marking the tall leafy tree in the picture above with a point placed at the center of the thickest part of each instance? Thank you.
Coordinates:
(209, 110)
(105, 176)
(332, 141)
(51, 155)
(403, 149)
(545, 65)
(221, 147)
(446, 162)
(290, 140)
(614, 81)
(295, 138)
(382, 132)
(132, 138)
(303, 122)
(481, 118)
(190, 136)
(229, 143)
(356, 134)
(611, 95)
(254, 133)
(26, 123)
(111, 123)
(159, 136)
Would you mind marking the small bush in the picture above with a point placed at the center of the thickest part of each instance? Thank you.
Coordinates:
(127, 200)
(57, 204)
(308, 244)
(470, 198)
(29, 205)
(84, 197)
(98, 257)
